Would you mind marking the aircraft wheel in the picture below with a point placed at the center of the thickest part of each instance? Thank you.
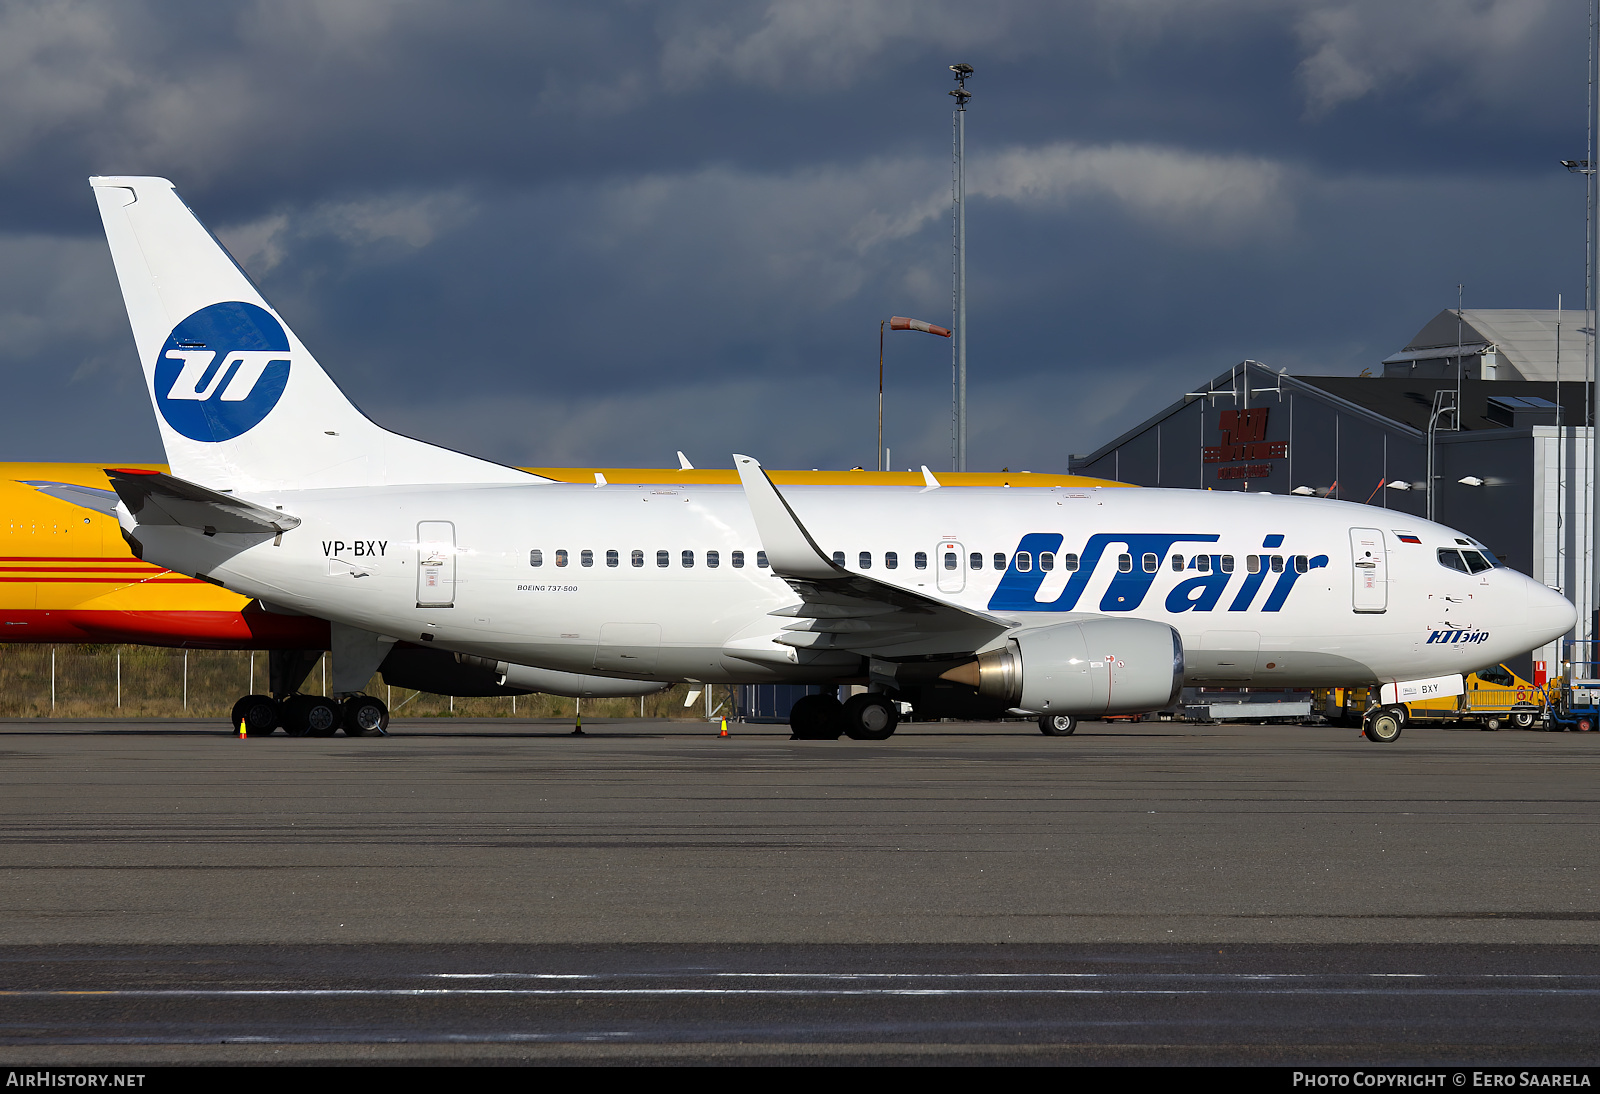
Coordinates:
(1522, 719)
(869, 717)
(364, 716)
(1058, 725)
(259, 713)
(1384, 725)
(310, 716)
(815, 718)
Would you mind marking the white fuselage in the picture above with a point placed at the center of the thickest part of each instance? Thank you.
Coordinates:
(453, 565)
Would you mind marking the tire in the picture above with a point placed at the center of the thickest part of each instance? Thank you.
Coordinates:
(868, 717)
(259, 713)
(1058, 725)
(1491, 724)
(1585, 724)
(364, 716)
(1384, 725)
(815, 718)
(310, 716)
(1523, 719)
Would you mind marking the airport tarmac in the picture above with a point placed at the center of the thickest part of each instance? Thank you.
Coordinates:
(496, 890)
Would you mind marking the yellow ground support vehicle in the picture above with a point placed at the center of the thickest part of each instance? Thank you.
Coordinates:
(1494, 696)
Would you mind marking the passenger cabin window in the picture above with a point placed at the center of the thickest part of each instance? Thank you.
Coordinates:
(1202, 563)
(737, 558)
(999, 561)
(761, 559)
(638, 558)
(1227, 564)
(1023, 561)
(1177, 562)
(975, 561)
(1277, 564)
(838, 558)
(1151, 563)
(1069, 562)
(1125, 563)
(1253, 563)
(1302, 564)
(663, 559)
(864, 560)
(891, 561)
(1047, 560)
(612, 559)
(536, 557)
(920, 560)
(950, 560)
(587, 557)
(688, 560)
(713, 559)
(561, 558)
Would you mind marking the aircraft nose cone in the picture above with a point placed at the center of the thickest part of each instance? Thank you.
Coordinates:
(1549, 614)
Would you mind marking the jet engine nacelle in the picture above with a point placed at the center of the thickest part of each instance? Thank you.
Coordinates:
(1090, 667)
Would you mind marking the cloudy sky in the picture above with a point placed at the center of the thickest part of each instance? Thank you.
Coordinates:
(593, 233)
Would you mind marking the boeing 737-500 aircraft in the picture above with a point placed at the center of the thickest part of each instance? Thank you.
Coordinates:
(1059, 601)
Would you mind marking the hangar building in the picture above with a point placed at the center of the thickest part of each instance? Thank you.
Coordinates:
(1504, 453)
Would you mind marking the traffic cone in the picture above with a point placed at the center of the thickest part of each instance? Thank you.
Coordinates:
(724, 732)
(241, 729)
(578, 730)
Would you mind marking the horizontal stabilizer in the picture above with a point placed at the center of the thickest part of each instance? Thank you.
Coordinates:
(101, 501)
(156, 498)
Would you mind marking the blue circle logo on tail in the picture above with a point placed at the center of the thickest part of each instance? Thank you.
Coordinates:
(221, 371)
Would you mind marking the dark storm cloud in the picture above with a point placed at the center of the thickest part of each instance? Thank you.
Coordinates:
(596, 233)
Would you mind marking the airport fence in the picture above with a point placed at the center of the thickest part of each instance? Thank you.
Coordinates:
(124, 681)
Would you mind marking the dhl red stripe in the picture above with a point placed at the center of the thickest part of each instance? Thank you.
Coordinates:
(80, 570)
(131, 579)
(128, 560)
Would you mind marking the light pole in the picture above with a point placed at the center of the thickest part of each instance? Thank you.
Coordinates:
(897, 322)
(959, 310)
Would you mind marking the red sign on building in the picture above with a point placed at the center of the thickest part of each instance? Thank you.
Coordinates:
(1244, 438)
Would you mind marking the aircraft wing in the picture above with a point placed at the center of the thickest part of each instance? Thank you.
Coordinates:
(157, 498)
(851, 612)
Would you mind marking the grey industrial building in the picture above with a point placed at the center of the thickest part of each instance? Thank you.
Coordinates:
(1494, 400)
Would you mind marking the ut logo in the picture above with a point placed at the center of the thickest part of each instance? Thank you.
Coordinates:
(221, 371)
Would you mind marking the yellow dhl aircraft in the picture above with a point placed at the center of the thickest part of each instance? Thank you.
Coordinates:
(67, 575)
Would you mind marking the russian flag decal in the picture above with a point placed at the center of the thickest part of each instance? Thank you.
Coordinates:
(1407, 537)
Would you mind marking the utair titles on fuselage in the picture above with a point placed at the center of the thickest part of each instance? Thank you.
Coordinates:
(1060, 601)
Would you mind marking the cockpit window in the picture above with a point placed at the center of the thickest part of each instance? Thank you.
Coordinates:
(1476, 563)
(1451, 559)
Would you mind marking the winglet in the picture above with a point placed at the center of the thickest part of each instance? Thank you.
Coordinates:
(789, 547)
(600, 480)
(927, 477)
(683, 463)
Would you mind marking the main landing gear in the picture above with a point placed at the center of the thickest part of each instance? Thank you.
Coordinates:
(311, 716)
(865, 717)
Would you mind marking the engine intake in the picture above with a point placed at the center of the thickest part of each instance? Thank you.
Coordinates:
(1094, 666)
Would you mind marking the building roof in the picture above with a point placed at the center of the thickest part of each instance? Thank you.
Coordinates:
(1410, 401)
(1524, 337)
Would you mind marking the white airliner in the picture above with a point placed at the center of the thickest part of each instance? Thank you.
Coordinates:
(1058, 602)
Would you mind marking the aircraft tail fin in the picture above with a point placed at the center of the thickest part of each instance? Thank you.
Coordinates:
(240, 402)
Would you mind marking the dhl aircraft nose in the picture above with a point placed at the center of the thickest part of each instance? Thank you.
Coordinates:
(1549, 614)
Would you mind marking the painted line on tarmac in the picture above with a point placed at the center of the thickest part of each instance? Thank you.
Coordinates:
(440, 993)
